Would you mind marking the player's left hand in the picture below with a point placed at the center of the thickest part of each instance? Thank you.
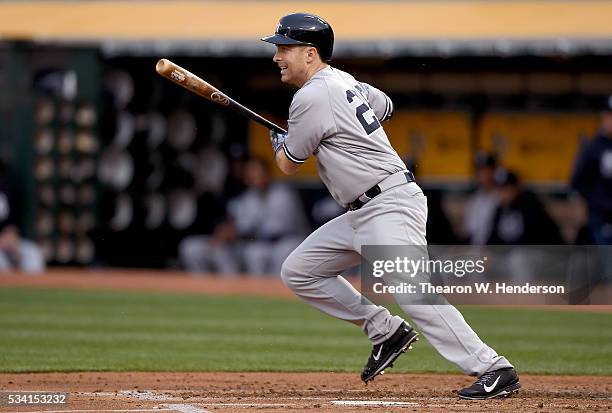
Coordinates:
(277, 140)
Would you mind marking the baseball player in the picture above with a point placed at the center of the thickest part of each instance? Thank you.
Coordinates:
(338, 120)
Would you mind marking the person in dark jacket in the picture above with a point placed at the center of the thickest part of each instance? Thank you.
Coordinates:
(521, 224)
(592, 179)
(520, 218)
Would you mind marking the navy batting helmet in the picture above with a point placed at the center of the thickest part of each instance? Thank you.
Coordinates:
(306, 29)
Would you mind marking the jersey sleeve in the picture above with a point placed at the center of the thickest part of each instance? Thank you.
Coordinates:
(380, 103)
(310, 120)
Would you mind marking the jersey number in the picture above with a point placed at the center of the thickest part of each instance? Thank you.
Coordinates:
(361, 111)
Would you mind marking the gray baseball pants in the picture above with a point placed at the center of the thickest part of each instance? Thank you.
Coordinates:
(398, 216)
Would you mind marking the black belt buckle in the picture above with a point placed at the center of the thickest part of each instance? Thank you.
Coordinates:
(374, 191)
(370, 193)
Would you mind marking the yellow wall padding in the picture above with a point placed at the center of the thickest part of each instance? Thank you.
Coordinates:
(249, 20)
(541, 148)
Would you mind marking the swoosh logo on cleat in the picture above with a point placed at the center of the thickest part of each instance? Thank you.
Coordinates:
(376, 357)
(488, 389)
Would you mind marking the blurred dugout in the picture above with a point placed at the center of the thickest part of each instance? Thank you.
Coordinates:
(115, 165)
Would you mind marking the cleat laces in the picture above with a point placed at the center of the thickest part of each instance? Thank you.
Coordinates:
(485, 377)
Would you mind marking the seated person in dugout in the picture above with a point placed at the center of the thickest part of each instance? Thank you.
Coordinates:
(16, 252)
(264, 224)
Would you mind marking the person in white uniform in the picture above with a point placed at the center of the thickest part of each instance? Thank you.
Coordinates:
(16, 252)
(264, 224)
(338, 120)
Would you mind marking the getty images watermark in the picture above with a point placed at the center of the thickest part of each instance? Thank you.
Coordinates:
(491, 275)
(408, 267)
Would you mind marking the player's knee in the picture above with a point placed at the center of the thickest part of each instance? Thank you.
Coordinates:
(286, 272)
(289, 272)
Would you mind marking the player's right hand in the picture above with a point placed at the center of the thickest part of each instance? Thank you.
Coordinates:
(277, 140)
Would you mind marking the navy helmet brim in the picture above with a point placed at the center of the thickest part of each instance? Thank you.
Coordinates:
(281, 39)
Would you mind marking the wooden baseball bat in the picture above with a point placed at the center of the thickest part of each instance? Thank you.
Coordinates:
(194, 84)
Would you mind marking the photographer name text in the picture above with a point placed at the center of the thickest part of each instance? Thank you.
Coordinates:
(476, 288)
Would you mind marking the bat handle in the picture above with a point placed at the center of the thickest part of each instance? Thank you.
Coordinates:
(257, 118)
(274, 127)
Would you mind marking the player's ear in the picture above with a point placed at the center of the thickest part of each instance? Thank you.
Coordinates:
(311, 53)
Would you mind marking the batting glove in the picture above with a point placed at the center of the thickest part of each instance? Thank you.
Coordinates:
(277, 140)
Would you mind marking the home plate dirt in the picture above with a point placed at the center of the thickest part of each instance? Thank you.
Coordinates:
(279, 392)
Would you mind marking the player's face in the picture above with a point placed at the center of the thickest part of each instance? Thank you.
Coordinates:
(484, 175)
(293, 63)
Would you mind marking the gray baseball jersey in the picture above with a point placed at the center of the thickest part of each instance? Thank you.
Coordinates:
(337, 119)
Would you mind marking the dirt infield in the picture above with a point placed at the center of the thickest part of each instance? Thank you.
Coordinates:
(274, 392)
(279, 392)
(150, 280)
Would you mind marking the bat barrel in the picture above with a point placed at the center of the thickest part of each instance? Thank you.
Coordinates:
(162, 65)
(191, 82)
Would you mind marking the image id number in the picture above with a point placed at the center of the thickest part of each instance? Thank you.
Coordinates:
(28, 398)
